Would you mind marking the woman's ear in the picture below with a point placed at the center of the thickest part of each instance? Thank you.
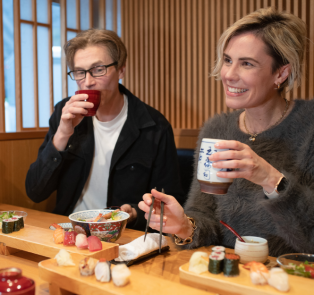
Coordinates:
(283, 74)
(122, 72)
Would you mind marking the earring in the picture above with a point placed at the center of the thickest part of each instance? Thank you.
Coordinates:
(278, 86)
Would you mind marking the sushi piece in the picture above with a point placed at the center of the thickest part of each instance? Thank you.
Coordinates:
(20, 221)
(16, 226)
(279, 279)
(64, 258)
(198, 262)
(259, 273)
(81, 241)
(55, 225)
(120, 275)
(102, 271)
(69, 238)
(87, 266)
(218, 249)
(94, 243)
(58, 235)
(7, 226)
(216, 262)
(231, 265)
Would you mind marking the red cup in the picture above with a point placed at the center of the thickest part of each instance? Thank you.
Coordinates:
(94, 97)
(13, 283)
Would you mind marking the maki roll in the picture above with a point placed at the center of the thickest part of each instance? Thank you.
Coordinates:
(7, 226)
(218, 249)
(16, 224)
(216, 263)
(231, 265)
(20, 221)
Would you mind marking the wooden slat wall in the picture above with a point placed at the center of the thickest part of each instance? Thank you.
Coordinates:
(15, 159)
(171, 51)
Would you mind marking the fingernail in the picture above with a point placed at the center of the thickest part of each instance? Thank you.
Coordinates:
(217, 144)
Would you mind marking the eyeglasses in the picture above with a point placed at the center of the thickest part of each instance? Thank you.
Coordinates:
(94, 71)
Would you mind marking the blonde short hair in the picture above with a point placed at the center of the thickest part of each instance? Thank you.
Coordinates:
(283, 33)
(109, 39)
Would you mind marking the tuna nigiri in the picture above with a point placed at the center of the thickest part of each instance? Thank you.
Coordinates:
(94, 243)
(58, 235)
(69, 238)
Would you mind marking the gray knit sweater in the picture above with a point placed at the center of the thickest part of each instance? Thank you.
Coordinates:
(287, 222)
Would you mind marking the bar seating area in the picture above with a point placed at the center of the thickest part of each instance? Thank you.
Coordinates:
(172, 48)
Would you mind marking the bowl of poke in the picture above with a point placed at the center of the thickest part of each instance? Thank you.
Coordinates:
(299, 264)
(107, 225)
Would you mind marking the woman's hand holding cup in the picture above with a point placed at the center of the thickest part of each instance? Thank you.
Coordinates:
(245, 163)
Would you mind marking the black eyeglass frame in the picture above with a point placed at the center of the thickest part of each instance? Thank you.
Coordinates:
(90, 72)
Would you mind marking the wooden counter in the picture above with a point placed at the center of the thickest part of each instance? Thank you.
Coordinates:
(163, 266)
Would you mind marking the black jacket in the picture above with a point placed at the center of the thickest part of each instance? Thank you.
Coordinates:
(144, 157)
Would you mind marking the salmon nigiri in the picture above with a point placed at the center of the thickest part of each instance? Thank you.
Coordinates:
(58, 235)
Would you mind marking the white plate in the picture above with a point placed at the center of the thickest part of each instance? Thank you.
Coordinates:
(66, 225)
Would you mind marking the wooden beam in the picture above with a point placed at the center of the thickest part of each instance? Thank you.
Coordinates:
(63, 16)
(17, 62)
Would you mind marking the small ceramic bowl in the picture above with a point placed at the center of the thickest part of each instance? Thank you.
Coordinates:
(107, 231)
(289, 262)
(255, 249)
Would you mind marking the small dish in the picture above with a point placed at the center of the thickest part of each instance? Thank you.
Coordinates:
(294, 263)
(254, 249)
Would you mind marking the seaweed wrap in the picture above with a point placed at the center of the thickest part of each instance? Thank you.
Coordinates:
(216, 263)
(16, 226)
(231, 265)
(20, 221)
(7, 226)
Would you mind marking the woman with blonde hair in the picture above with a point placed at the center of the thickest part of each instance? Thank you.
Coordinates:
(270, 140)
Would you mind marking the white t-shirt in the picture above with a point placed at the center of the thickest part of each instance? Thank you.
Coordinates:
(94, 194)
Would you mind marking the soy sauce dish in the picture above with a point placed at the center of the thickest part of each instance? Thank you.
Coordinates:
(254, 249)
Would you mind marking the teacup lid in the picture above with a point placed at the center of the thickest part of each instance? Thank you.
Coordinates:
(11, 280)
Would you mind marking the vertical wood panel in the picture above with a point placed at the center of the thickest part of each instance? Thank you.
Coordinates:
(51, 102)
(172, 50)
(17, 62)
(2, 90)
(35, 65)
(63, 24)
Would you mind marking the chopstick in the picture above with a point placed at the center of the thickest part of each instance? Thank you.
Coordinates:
(161, 219)
(149, 215)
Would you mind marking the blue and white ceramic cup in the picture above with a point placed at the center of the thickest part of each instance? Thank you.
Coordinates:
(207, 174)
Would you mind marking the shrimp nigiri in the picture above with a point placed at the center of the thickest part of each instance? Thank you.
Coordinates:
(58, 235)
(259, 272)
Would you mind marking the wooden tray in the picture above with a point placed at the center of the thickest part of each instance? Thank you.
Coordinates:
(68, 278)
(241, 284)
(40, 241)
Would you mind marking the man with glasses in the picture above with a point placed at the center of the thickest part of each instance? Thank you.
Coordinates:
(110, 159)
